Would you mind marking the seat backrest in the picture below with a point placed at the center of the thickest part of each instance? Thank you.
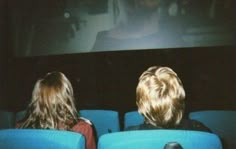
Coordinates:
(7, 119)
(220, 122)
(20, 115)
(40, 139)
(157, 139)
(132, 118)
(105, 121)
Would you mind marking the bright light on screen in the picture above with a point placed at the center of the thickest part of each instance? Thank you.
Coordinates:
(80, 26)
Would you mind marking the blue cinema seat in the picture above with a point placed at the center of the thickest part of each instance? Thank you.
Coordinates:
(157, 139)
(105, 121)
(40, 139)
(7, 119)
(20, 115)
(132, 118)
(220, 122)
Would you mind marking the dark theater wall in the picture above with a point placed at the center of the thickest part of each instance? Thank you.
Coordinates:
(108, 80)
(3, 51)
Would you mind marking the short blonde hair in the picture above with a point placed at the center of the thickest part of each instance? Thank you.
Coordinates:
(52, 105)
(160, 97)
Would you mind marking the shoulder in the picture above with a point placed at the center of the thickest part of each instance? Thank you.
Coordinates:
(193, 125)
(82, 122)
(143, 126)
(83, 125)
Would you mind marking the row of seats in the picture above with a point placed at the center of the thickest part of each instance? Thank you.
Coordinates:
(221, 123)
(143, 139)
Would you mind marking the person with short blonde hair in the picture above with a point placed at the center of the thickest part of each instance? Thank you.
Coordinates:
(160, 98)
(52, 107)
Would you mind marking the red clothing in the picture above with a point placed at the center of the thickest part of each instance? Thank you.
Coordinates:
(85, 128)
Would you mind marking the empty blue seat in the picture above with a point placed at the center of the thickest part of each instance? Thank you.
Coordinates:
(220, 122)
(40, 139)
(132, 118)
(105, 121)
(157, 139)
(7, 119)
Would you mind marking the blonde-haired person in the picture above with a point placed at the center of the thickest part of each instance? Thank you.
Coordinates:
(160, 98)
(52, 107)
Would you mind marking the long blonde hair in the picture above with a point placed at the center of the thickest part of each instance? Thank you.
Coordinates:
(160, 97)
(52, 105)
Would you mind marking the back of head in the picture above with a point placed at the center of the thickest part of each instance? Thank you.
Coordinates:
(173, 145)
(160, 97)
(52, 105)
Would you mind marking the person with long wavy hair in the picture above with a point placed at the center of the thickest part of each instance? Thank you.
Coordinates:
(52, 107)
